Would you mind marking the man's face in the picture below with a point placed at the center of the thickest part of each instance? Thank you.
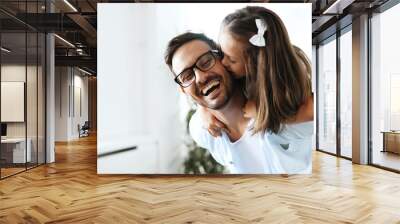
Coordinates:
(211, 89)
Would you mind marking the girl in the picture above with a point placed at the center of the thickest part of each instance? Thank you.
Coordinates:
(256, 47)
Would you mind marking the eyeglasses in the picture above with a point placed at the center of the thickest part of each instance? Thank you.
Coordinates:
(204, 63)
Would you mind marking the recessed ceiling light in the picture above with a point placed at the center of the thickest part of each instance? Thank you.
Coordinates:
(70, 5)
(5, 50)
(84, 71)
(64, 40)
(337, 7)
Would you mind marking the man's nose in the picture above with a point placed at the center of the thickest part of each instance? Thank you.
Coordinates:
(201, 77)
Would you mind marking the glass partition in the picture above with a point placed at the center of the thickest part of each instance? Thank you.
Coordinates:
(346, 93)
(41, 107)
(32, 95)
(22, 77)
(327, 96)
(14, 153)
(385, 89)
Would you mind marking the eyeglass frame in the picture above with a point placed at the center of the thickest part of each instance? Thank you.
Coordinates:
(217, 54)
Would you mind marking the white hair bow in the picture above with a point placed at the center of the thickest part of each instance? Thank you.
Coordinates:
(258, 39)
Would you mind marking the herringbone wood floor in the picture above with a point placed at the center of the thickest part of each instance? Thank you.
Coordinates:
(70, 191)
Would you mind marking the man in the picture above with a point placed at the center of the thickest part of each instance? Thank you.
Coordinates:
(196, 64)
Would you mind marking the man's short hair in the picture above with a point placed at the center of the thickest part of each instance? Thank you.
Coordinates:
(182, 39)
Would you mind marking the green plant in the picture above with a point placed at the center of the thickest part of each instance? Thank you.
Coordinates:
(199, 160)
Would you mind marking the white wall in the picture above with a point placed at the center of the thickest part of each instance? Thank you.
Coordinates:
(67, 81)
(161, 106)
(33, 126)
(61, 103)
(12, 100)
(16, 72)
(136, 95)
(80, 83)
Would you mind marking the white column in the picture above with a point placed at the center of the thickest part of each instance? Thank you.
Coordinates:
(50, 92)
(360, 90)
(50, 99)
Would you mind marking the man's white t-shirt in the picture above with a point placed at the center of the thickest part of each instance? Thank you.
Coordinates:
(288, 152)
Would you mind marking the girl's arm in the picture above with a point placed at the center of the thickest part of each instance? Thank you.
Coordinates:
(210, 122)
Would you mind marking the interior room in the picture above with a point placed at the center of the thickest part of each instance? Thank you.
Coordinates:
(56, 135)
(385, 89)
(22, 101)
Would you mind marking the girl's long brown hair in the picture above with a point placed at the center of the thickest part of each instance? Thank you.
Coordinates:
(278, 75)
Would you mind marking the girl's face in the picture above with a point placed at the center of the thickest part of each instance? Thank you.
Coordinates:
(233, 53)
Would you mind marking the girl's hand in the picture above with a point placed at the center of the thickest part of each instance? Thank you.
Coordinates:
(249, 109)
(210, 122)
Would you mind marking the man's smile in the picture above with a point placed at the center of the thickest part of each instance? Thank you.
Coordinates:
(210, 87)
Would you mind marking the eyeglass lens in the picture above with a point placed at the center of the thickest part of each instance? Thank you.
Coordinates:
(204, 63)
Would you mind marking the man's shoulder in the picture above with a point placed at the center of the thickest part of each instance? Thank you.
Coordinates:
(215, 145)
(198, 133)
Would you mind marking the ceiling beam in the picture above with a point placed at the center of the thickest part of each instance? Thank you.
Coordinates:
(321, 20)
(86, 26)
(85, 61)
(337, 6)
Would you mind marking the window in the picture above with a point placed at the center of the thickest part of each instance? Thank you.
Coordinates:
(22, 77)
(346, 93)
(385, 89)
(327, 96)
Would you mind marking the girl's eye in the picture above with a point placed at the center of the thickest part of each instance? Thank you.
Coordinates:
(230, 60)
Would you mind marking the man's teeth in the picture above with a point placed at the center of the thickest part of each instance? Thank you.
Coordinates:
(210, 85)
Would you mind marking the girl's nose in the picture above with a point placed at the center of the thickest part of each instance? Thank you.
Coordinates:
(225, 62)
